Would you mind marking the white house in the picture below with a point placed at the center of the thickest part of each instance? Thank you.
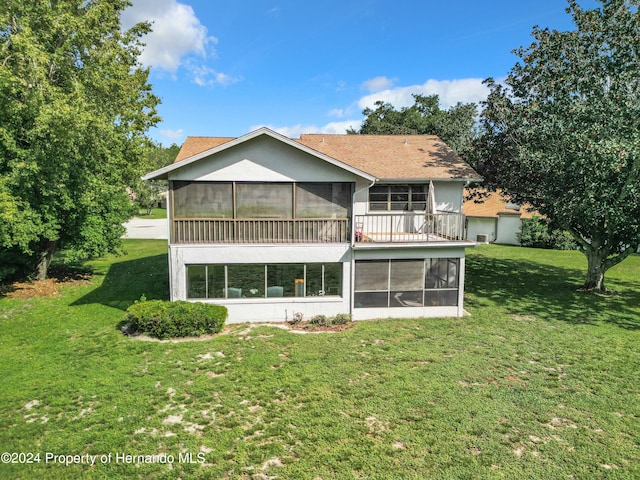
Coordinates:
(494, 219)
(268, 226)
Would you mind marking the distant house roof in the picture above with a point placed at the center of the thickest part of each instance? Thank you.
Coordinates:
(493, 205)
(383, 157)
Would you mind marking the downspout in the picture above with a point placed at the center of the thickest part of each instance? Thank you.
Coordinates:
(353, 243)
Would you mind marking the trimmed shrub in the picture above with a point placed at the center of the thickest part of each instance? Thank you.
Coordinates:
(161, 319)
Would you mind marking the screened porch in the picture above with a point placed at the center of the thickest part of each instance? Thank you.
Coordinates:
(251, 212)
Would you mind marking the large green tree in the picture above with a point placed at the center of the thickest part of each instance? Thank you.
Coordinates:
(75, 109)
(563, 134)
(455, 126)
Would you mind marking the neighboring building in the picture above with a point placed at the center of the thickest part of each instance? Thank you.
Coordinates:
(325, 224)
(494, 219)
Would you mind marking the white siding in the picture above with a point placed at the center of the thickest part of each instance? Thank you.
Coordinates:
(481, 226)
(508, 229)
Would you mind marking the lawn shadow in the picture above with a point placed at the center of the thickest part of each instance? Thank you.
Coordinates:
(547, 291)
(127, 281)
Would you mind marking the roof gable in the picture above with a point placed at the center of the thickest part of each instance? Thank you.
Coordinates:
(373, 157)
(222, 144)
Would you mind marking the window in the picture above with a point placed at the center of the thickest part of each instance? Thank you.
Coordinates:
(323, 279)
(406, 283)
(264, 281)
(285, 280)
(197, 281)
(243, 281)
(397, 197)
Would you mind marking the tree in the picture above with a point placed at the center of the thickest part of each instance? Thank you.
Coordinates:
(454, 126)
(156, 156)
(75, 108)
(563, 134)
(148, 193)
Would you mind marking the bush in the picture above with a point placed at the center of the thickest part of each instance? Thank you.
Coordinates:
(342, 319)
(161, 319)
(320, 320)
(296, 319)
(324, 321)
(537, 233)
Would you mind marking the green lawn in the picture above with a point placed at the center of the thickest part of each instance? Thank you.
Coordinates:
(540, 381)
(156, 213)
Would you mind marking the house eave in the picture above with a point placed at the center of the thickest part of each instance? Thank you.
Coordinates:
(426, 180)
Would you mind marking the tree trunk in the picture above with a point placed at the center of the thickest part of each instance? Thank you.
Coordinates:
(44, 260)
(596, 266)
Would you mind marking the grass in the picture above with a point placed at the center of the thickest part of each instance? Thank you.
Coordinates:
(156, 213)
(539, 382)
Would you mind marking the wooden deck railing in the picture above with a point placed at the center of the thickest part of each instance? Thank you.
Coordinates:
(409, 227)
(246, 230)
(376, 228)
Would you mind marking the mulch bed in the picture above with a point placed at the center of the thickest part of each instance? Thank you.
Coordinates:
(50, 287)
(310, 327)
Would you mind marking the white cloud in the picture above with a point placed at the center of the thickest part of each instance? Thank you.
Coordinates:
(172, 134)
(177, 33)
(205, 76)
(450, 92)
(294, 131)
(376, 84)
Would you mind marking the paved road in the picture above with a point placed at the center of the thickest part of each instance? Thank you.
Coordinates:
(139, 228)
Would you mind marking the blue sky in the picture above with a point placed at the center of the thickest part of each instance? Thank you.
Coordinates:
(224, 68)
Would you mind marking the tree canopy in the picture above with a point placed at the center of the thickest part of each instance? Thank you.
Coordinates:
(76, 106)
(563, 133)
(454, 126)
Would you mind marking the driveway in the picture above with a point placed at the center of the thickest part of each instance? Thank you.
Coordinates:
(139, 228)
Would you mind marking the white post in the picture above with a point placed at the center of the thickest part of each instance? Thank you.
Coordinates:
(461, 287)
